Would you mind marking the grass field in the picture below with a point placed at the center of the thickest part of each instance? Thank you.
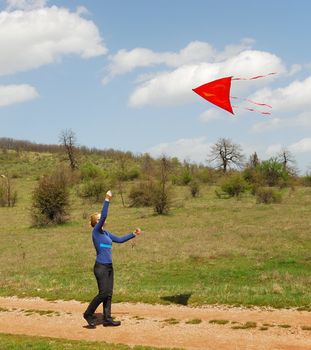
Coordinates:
(22, 342)
(207, 250)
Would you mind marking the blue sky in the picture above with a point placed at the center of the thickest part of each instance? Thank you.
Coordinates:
(120, 74)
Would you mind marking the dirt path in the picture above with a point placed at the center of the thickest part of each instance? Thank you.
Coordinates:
(162, 326)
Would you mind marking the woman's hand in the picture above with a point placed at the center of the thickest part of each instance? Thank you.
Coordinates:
(108, 195)
(137, 232)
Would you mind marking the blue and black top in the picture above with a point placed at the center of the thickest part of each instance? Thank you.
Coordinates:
(102, 239)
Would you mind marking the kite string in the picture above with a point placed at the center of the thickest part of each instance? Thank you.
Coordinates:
(256, 77)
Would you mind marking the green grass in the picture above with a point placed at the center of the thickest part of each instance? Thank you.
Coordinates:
(22, 342)
(206, 251)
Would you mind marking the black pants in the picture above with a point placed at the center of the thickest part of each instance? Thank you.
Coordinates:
(104, 277)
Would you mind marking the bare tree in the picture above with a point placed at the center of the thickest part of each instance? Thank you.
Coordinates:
(68, 140)
(226, 154)
(121, 173)
(253, 160)
(161, 196)
(7, 195)
(286, 158)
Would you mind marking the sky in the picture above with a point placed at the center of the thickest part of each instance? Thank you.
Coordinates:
(120, 74)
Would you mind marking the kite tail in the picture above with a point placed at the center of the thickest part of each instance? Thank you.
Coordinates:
(251, 101)
(253, 110)
(256, 77)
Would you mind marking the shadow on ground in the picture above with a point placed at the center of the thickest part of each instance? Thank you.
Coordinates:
(181, 299)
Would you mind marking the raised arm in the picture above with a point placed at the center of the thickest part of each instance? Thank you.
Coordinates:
(104, 212)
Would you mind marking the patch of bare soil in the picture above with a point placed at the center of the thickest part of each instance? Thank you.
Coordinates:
(208, 327)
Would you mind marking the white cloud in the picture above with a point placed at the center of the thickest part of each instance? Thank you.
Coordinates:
(42, 36)
(195, 150)
(11, 94)
(298, 149)
(294, 97)
(82, 10)
(25, 4)
(267, 125)
(301, 146)
(209, 115)
(175, 87)
(273, 150)
(125, 61)
(295, 68)
(301, 120)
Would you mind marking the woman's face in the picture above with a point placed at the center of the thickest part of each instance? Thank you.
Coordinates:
(98, 217)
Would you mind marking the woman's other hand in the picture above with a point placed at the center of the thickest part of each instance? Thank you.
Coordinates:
(137, 232)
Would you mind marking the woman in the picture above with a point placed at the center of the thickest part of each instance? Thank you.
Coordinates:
(103, 269)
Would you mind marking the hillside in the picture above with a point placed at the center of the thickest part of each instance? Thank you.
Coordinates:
(209, 249)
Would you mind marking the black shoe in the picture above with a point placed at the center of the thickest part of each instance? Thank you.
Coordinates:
(91, 320)
(111, 323)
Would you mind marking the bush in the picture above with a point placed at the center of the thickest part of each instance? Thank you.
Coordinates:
(186, 177)
(150, 195)
(93, 190)
(194, 188)
(307, 180)
(3, 196)
(234, 185)
(90, 171)
(182, 179)
(268, 196)
(273, 172)
(8, 196)
(50, 200)
(128, 174)
(207, 175)
(161, 199)
(141, 195)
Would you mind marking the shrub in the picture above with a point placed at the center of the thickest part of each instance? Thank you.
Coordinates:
(267, 195)
(149, 194)
(234, 185)
(186, 177)
(90, 171)
(205, 175)
(181, 178)
(272, 172)
(307, 180)
(3, 196)
(50, 200)
(127, 174)
(161, 200)
(93, 190)
(141, 195)
(8, 196)
(194, 188)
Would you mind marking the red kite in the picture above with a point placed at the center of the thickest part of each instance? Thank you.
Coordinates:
(218, 93)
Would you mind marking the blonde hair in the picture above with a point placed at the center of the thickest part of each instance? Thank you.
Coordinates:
(94, 219)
